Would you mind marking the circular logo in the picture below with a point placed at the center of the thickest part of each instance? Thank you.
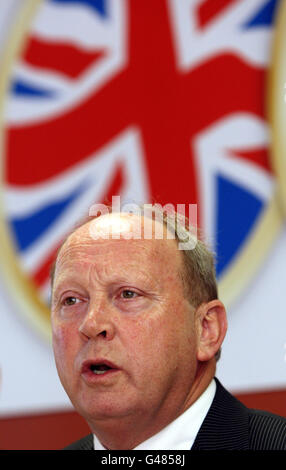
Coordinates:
(104, 98)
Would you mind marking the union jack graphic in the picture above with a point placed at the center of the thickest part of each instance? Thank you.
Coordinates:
(158, 100)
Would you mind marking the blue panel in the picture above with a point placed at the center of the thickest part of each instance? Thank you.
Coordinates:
(99, 6)
(237, 212)
(29, 229)
(23, 89)
(264, 16)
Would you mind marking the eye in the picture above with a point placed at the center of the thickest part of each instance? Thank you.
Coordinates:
(70, 301)
(128, 294)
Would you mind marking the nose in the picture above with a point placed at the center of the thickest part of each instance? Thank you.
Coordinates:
(97, 323)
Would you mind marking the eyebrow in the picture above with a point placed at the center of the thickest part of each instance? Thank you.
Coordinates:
(71, 281)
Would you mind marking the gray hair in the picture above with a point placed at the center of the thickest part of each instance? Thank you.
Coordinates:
(198, 260)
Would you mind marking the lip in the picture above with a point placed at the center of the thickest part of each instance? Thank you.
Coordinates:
(90, 377)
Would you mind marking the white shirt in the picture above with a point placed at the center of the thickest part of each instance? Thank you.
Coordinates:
(181, 433)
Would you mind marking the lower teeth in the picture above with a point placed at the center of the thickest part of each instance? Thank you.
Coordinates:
(99, 372)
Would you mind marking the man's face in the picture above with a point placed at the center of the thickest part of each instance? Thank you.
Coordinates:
(123, 332)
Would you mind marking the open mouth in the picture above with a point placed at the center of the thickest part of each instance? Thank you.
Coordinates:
(99, 369)
(92, 369)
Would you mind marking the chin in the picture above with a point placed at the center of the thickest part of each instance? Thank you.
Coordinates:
(104, 408)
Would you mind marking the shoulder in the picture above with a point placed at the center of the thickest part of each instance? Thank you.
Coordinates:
(230, 425)
(86, 443)
(267, 431)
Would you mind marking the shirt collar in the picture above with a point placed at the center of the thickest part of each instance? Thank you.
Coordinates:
(182, 432)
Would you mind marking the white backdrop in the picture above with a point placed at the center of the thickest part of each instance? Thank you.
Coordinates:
(253, 355)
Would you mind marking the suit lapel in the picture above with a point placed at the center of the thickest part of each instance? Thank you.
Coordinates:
(87, 443)
(226, 424)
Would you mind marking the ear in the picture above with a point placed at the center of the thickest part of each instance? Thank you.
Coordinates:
(211, 329)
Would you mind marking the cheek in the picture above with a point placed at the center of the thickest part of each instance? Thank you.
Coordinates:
(152, 342)
(64, 344)
(173, 333)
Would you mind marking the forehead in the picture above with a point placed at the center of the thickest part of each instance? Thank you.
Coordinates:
(84, 246)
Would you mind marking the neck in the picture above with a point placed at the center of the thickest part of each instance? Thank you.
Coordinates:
(130, 431)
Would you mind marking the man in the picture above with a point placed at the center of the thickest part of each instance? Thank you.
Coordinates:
(137, 327)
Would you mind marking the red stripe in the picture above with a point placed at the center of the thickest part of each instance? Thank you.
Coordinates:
(64, 58)
(259, 157)
(115, 187)
(208, 10)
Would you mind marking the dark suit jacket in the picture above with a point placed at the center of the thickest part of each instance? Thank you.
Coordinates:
(229, 425)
